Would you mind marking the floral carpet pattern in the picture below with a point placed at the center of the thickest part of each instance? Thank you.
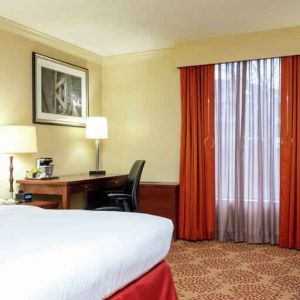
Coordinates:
(212, 270)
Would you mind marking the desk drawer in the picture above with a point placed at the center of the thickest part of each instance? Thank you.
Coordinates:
(107, 183)
(82, 187)
(113, 183)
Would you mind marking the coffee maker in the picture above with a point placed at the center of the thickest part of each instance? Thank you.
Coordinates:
(45, 166)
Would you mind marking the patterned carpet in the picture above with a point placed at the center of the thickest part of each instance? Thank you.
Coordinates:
(223, 271)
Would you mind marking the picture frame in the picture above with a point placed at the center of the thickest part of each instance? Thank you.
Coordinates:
(60, 92)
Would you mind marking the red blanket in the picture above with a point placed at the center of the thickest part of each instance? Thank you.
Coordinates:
(156, 284)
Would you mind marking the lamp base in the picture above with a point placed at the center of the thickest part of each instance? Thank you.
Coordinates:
(97, 172)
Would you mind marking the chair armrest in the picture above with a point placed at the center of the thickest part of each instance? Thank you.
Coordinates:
(109, 208)
(120, 191)
(120, 196)
(124, 200)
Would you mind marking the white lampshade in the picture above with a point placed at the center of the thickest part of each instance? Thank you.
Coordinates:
(18, 139)
(96, 128)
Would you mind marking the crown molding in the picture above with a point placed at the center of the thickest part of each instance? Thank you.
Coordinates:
(133, 57)
(48, 40)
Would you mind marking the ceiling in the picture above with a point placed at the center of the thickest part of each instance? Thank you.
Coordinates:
(110, 27)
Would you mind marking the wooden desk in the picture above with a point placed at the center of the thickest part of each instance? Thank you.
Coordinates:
(64, 186)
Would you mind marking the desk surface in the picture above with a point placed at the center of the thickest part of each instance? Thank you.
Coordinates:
(71, 184)
(69, 179)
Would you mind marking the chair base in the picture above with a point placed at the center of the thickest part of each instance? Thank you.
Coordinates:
(97, 172)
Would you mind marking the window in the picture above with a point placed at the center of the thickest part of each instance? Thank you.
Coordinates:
(247, 122)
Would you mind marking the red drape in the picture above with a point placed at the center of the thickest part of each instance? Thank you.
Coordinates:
(156, 284)
(290, 153)
(197, 156)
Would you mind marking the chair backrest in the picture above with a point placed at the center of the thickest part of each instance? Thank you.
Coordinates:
(132, 186)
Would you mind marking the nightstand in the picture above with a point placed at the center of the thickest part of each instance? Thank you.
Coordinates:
(42, 204)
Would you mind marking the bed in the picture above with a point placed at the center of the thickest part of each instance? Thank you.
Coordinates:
(83, 255)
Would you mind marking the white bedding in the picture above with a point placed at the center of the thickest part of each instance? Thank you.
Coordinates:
(75, 254)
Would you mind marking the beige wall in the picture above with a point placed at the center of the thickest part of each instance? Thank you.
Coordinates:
(141, 98)
(262, 44)
(72, 153)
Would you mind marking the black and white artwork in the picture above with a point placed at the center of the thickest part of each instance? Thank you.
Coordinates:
(60, 91)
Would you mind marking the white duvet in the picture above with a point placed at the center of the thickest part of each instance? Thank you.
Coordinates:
(75, 254)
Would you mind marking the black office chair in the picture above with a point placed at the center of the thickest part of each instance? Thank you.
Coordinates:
(126, 199)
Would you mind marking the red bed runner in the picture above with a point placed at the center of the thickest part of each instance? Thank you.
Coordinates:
(157, 284)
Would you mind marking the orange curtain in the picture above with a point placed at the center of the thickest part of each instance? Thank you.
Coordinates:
(290, 153)
(197, 155)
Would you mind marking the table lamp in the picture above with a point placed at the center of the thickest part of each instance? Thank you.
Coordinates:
(96, 128)
(16, 139)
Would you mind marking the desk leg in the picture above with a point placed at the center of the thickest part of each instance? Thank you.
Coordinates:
(65, 198)
(21, 187)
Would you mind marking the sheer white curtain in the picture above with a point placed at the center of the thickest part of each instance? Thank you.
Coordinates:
(247, 133)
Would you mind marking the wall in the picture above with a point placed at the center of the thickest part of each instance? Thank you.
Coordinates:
(72, 153)
(261, 44)
(141, 96)
(141, 99)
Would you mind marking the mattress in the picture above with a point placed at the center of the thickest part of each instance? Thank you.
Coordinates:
(76, 254)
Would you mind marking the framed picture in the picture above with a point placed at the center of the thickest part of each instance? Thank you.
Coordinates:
(60, 92)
